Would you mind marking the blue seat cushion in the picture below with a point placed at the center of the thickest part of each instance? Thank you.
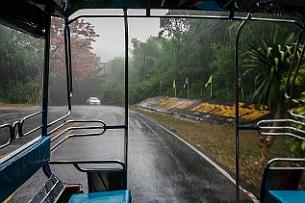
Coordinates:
(19, 168)
(117, 196)
(286, 196)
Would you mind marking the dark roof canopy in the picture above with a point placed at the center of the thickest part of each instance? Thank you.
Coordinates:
(31, 15)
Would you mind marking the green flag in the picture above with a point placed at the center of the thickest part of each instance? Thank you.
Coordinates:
(210, 81)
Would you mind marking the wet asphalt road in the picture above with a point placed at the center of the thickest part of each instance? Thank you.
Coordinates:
(161, 168)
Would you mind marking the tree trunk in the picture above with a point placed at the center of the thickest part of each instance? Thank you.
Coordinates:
(266, 142)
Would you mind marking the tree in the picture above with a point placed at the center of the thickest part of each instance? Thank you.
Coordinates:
(85, 64)
(270, 57)
(82, 35)
(20, 67)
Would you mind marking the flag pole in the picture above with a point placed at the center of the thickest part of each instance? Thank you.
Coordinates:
(174, 87)
(188, 90)
(211, 90)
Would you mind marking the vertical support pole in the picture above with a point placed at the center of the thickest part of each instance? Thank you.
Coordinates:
(292, 65)
(68, 62)
(237, 93)
(45, 97)
(126, 93)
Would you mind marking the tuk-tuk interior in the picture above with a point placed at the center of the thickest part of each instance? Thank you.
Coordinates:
(107, 179)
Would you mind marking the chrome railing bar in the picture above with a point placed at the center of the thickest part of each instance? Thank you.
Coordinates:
(75, 121)
(287, 168)
(211, 17)
(279, 121)
(296, 115)
(61, 162)
(284, 134)
(33, 130)
(10, 127)
(83, 135)
(59, 119)
(77, 128)
(78, 135)
(285, 160)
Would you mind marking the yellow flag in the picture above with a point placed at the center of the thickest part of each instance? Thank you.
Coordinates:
(210, 81)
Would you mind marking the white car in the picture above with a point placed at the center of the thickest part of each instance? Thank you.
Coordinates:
(94, 100)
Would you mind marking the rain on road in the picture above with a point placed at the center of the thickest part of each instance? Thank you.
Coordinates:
(161, 168)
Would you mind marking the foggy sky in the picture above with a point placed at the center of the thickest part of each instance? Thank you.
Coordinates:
(111, 31)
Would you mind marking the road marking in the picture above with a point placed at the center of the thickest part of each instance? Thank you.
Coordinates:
(219, 168)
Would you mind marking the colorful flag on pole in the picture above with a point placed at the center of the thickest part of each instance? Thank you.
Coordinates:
(210, 81)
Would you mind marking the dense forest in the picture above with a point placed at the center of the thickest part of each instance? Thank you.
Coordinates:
(190, 58)
(20, 67)
(196, 59)
(21, 59)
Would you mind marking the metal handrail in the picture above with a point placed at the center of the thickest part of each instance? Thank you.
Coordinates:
(103, 127)
(272, 161)
(75, 121)
(296, 115)
(76, 164)
(19, 124)
(211, 17)
(9, 126)
(282, 130)
(78, 135)
(59, 119)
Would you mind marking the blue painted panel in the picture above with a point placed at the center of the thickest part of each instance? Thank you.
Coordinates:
(118, 196)
(208, 5)
(18, 169)
(286, 196)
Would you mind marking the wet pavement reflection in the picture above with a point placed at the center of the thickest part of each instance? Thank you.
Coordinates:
(161, 168)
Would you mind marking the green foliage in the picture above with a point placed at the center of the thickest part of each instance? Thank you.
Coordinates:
(112, 87)
(269, 58)
(20, 67)
(21, 63)
(197, 49)
(23, 93)
(224, 69)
